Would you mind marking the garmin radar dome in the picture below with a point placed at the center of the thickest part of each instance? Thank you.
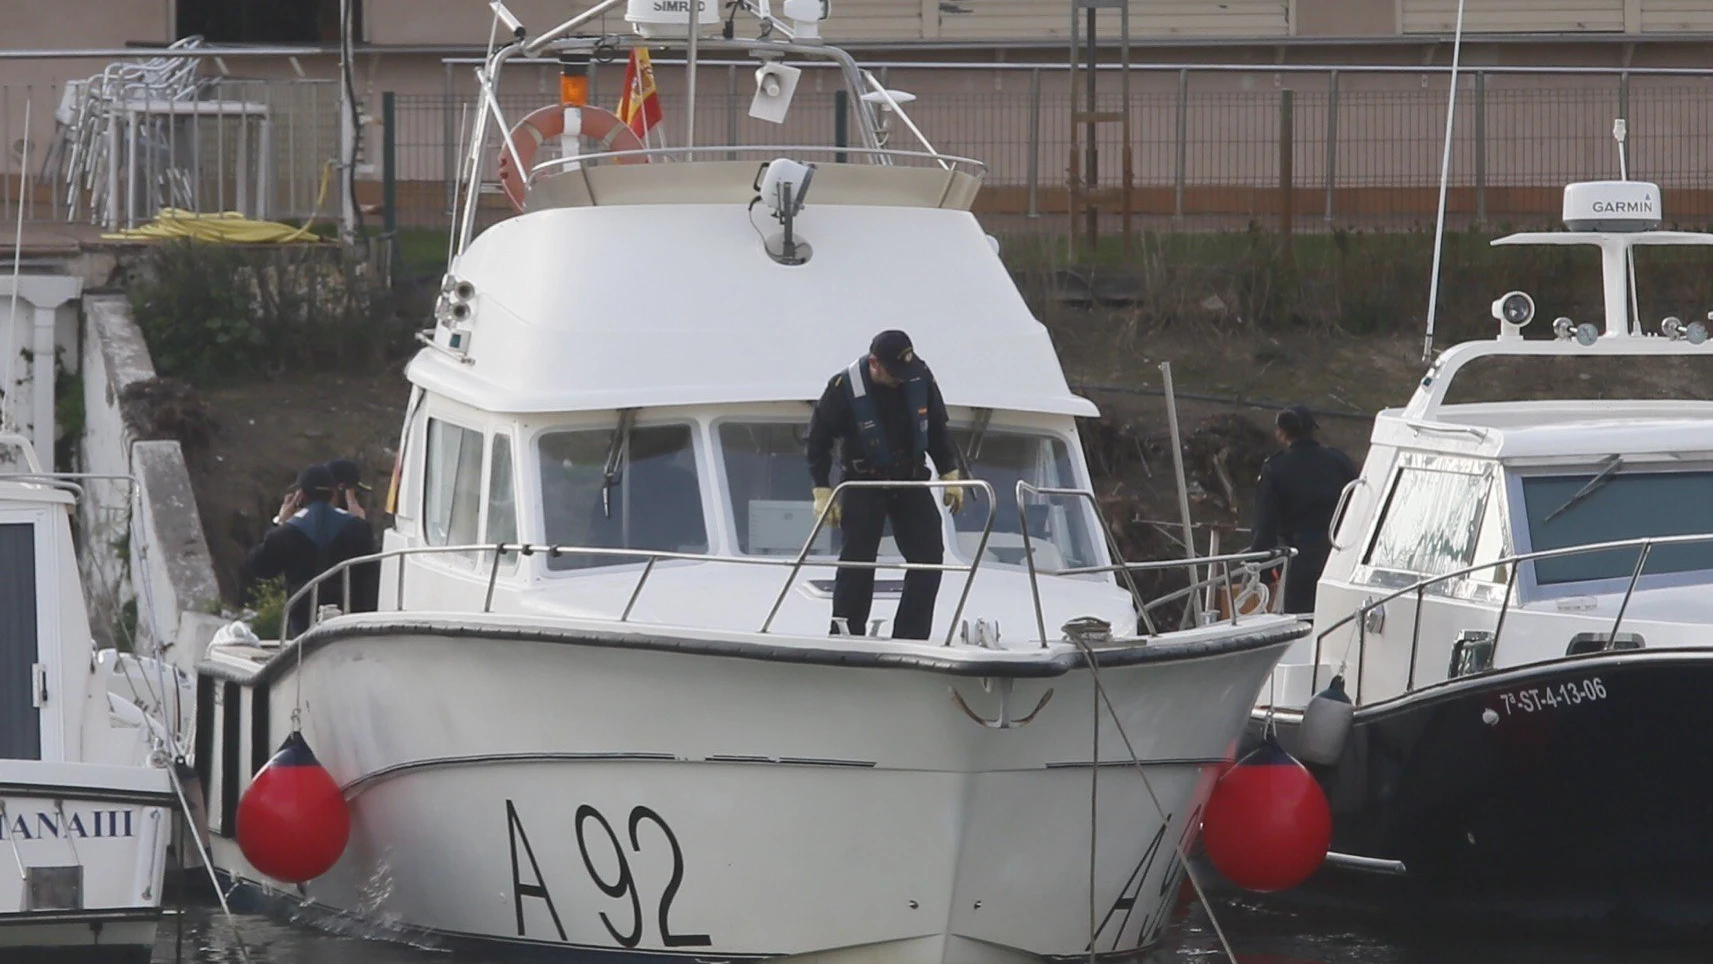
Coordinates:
(670, 19)
(1612, 206)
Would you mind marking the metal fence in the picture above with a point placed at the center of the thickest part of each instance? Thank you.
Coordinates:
(1303, 149)
(1211, 146)
(263, 148)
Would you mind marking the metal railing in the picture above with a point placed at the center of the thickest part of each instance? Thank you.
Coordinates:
(878, 154)
(929, 484)
(1645, 545)
(1255, 563)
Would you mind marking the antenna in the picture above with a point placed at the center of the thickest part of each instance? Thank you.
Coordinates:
(7, 388)
(1621, 129)
(1444, 174)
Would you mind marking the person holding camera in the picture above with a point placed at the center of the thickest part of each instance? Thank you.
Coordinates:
(312, 537)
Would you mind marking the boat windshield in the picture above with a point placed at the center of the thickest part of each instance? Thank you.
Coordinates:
(1626, 505)
(1059, 528)
(653, 502)
(773, 504)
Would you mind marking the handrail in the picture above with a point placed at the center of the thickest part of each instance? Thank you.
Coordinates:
(1269, 556)
(530, 549)
(885, 152)
(1254, 561)
(821, 519)
(1644, 543)
(1029, 549)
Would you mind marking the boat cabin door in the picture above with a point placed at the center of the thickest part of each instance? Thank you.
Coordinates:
(25, 626)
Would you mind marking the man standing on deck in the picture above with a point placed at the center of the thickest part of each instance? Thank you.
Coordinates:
(1298, 491)
(886, 413)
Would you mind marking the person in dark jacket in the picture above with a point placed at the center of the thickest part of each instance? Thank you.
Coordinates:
(886, 413)
(1294, 502)
(348, 486)
(313, 537)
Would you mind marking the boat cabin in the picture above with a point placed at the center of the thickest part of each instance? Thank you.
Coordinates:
(1539, 498)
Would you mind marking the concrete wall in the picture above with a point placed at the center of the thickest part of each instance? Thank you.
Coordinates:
(143, 540)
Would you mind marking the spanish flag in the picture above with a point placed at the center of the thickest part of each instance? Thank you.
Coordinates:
(639, 108)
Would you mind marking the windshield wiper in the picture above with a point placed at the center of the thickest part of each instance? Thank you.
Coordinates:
(1614, 463)
(615, 451)
(978, 433)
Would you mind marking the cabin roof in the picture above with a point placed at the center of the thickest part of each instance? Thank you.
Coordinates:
(590, 308)
(1572, 430)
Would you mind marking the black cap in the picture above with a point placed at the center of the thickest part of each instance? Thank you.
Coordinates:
(315, 480)
(345, 473)
(893, 350)
(1297, 421)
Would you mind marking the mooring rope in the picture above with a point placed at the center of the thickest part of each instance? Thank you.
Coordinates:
(1136, 761)
(207, 862)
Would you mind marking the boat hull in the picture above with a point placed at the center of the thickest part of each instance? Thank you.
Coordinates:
(553, 796)
(90, 843)
(1565, 791)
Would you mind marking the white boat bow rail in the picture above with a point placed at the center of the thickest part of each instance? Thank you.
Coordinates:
(1512, 564)
(1231, 567)
(870, 127)
(880, 155)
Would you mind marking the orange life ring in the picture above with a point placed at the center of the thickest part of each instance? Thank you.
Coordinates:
(601, 126)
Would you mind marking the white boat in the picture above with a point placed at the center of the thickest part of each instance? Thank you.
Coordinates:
(87, 799)
(599, 708)
(1518, 600)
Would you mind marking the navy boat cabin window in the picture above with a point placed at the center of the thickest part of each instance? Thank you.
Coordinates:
(1060, 532)
(452, 484)
(502, 498)
(772, 496)
(652, 501)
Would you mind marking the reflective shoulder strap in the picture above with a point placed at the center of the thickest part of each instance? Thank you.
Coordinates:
(869, 433)
(853, 375)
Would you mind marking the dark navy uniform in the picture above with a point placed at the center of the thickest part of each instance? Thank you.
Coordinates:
(313, 540)
(1298, 492)
(883, 433)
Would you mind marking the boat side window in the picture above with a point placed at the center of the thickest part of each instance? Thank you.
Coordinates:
(1632, 503)
(1059, 531)
(1430, 525)
(502, 498)
(452, 484)
(653, 500)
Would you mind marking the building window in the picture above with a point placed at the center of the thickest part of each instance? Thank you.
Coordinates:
(267, 21)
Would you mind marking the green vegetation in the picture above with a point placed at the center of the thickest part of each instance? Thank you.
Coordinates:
(1353, 282)
(269, 599)
(215, 313)
(68, 414)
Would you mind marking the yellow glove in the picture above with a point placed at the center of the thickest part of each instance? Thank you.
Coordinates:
(954, 494)
(824, 498)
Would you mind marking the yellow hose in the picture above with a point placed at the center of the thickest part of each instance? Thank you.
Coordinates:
(226, 226)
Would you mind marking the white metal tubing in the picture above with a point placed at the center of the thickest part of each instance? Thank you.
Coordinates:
(1444, 176)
